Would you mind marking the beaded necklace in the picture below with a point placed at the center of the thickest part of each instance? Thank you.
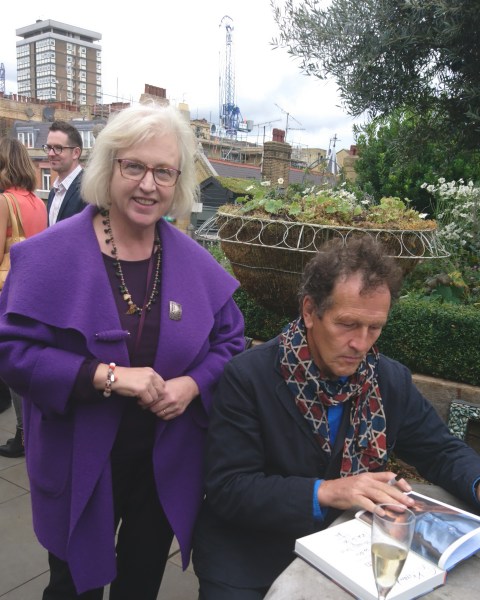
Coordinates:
(134, 309)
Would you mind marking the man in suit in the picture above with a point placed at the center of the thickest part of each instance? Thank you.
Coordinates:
(302, 428)
(64, 148)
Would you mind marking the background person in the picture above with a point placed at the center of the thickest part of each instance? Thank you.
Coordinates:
(5, 397)
(303, 425)
(18, 177)
(64, 149)
(118, 361)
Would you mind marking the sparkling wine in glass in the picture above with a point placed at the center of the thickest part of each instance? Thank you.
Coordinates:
(392, 532)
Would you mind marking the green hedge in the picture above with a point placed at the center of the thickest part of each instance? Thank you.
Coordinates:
(441, 340)
(260, 323)
(430, 338)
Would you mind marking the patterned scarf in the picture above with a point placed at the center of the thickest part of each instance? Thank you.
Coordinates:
(365, 442)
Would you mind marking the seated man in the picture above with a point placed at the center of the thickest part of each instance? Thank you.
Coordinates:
(303, 426)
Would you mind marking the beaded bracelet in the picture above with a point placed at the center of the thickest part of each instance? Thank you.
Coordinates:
(110, 379)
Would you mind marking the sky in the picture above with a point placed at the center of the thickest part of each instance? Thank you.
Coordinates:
(179, 45)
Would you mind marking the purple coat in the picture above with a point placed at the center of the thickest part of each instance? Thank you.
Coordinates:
(57, 307)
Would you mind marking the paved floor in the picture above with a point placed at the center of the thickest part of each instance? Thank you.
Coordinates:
(23, 562)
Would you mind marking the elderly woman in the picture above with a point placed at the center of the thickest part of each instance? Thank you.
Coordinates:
(115, 327)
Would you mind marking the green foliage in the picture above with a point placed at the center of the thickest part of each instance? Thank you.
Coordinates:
(440, 340)
(326, 206)
(455, 280)
(235, 184)
(387, 55)
(400, 152)
(458, 210)
(260, 323)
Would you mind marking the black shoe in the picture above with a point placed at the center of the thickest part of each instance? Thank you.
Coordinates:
(5, 402)
(14, 447)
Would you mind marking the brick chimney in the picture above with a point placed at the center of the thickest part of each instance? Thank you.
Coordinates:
(276, 159)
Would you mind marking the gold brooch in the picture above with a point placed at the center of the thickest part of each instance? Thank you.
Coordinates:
(175, 311)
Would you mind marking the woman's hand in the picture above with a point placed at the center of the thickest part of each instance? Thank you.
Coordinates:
(176, 396)
(166, 399)
(142, 383)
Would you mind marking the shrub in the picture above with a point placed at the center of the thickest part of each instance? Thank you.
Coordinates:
(440, 340)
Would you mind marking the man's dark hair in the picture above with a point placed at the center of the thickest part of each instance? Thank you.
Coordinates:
(74, 137)
(338, 259)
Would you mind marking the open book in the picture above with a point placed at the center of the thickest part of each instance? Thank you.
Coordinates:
(444, 535)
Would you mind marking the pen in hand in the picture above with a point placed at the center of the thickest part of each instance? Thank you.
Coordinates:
(406, 488)
(394, 480)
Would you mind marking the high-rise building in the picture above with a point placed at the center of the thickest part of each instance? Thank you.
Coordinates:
(59, 62)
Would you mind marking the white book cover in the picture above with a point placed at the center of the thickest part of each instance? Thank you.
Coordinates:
(342, 552)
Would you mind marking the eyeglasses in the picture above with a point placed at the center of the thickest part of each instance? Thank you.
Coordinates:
(57, 149)
(136, 171)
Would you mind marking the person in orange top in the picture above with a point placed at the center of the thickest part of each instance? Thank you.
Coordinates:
(18, 177)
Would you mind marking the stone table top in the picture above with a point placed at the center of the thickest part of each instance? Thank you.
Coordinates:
(301, 581)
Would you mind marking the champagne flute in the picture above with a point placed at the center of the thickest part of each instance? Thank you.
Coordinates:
(392, 531)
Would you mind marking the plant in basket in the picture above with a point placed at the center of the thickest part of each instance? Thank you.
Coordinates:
(271, 232)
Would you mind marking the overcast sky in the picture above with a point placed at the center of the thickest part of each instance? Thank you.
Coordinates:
(177, 45)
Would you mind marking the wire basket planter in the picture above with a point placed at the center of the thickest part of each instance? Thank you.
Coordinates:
(268, 256)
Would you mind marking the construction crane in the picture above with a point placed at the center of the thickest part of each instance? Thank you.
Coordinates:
(231, 120)
(289, 116)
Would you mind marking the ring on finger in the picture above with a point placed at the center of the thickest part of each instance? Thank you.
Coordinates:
(164, 411)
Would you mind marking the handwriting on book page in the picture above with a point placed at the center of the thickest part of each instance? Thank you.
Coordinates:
(357, 547)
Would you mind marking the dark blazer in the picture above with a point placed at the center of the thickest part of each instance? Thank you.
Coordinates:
(263, 460)
(72, 203)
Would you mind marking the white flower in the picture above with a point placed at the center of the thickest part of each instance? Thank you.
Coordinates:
(423, 215)
(250, 187)
(265, 183)
(441, 180)
(423, 186)
(280, 181)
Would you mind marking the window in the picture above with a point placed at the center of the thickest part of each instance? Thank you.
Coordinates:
(26, 138)
(23, 63)
(23, 50)
(87, 138)
(24, 88)
(45, 177)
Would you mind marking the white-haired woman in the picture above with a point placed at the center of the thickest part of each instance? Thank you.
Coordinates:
(115, 328)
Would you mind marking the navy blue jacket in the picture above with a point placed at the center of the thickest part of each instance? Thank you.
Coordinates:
(263, 460)
(72, 202)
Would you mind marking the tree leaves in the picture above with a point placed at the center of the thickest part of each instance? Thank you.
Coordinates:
(387, 55)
